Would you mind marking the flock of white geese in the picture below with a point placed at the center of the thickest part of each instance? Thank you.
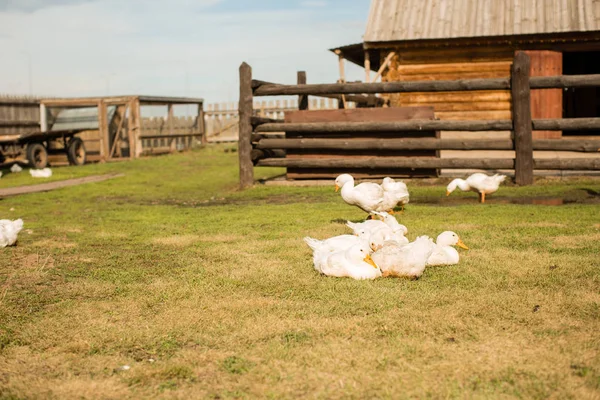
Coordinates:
(378, 247)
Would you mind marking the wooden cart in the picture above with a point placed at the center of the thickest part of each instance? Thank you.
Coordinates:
(35, 147)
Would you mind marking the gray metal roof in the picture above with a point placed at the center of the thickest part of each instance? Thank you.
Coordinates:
(400, 20)
(80, 118)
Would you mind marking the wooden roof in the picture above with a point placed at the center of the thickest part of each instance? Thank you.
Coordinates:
(409, 20)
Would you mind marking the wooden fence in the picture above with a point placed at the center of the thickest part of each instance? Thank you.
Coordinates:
(252, 129)
(221, 119)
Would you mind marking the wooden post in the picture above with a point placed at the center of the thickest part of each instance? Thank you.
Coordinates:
(43, 118)
(367, 66)
(521, 113)
(302, 99)
(103, 130)
(342, 100)
(245, 127)
(131, 129)
(200, 126)
(136, 112)
(172, 141)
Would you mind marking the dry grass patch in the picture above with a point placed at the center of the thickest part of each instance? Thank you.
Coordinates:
(177, 240)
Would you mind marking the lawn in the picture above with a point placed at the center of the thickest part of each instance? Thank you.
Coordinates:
(168, 282)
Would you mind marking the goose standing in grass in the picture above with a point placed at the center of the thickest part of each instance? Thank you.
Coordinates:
(404, 260)
(444, 252)
(367, 196)
(395, 193)
(480, 183)
(354, 262)
(9, 231)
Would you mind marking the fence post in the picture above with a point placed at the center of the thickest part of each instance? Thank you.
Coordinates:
(245, 127)
(302, 99)
(201, 125)
(521, 113)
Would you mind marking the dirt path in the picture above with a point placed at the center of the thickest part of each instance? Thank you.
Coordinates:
(45, 187)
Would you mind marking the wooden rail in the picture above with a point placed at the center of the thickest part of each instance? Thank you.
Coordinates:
(589, 146)
(541, 82)
(270, 149)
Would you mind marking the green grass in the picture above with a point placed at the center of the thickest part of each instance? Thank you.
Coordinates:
(209, 292)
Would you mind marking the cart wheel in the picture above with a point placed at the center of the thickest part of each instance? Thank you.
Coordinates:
(37, 155)
(76, 152)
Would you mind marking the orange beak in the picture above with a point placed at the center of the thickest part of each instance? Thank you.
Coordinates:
(369, 260)
(337, 188)
(448, 193)
(462, 244)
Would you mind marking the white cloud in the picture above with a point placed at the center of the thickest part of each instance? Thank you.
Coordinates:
(151, 47)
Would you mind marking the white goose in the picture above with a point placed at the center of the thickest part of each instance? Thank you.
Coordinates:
(404, 260)
(480, 183)
(444, 252)
(322, 249)
(355, 262)
(9, 231)
(367, 196)
(395, 193)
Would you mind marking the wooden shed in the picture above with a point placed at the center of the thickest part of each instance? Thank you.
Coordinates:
(114, 128)
(415, 40)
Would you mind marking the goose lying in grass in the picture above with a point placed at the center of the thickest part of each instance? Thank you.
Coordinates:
(322, 249)
(444, 252)
(354, 262)
(404, 260)
(395, 193)
(387, 220)
(9, 231)
(480, 183)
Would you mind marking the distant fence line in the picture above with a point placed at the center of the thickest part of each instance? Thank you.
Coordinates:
(220, 119)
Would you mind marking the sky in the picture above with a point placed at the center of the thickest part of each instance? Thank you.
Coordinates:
(70, 48)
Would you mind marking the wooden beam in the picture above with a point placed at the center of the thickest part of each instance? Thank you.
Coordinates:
(568, 163)
(359, 99)
(383, 67)
(16, 124)
(566, 124)
(200, 125)
(564, 81)
(170, 120)
(136, 114)
(131, 129)
(302, 99)
(387, 144)
(103, 130)
(399, 126)
(389, 162)
(175, 135)
(521, 104)
(582, 145)
(384, 87)
(245, 129)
